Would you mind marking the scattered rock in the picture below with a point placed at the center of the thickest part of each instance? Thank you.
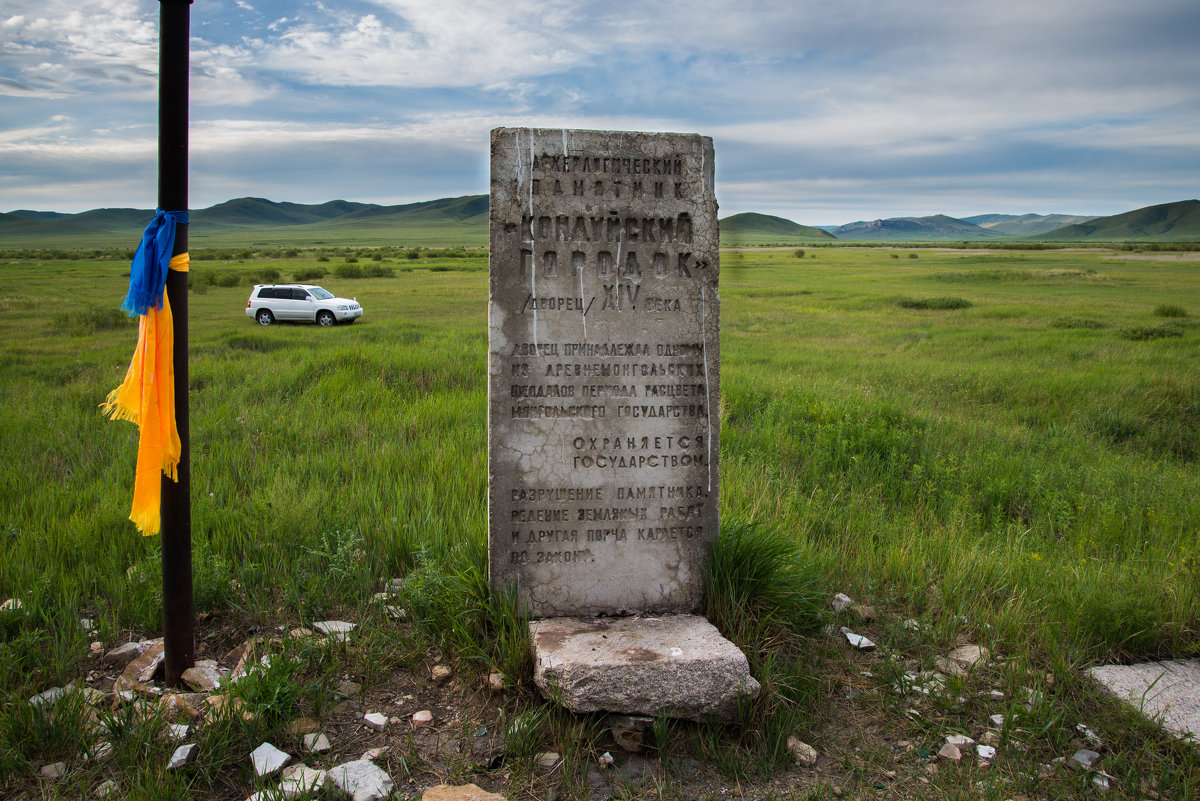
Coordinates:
(465, 792)
(202, 677)
(496, 682)
(177, 732)
(1102, 782)
(1083, 759)
(349, 689)
(395, 612)
(864, 612)
(441, 674)
(96, 648)
(986, 752)
(183, 756)
(991, 738)
(299, 779)
(376, 720)
(361, 779)
(606, 760)
(395, 586)
(547, 760)
(106, 788)
(300, 633)
(300, 726)
(1090, 736)
(841, 602)
(228, 705)
(630, 731)
(422, 719)
(11, 605)
(857, 640)
(802, 753)
(959, 740)
(140, 671)
(316, 743)
(87, 624)
(996, 695)
(268, 760)
(176, 707)
(53, 772)
(949, 666)
(336, 630)
(997, 721)
(969, 655)
(950, 752)
(100, 751)
(50, 696)
(372, 754)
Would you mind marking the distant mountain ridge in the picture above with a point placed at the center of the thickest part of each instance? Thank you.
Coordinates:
(913, 229)
(1025, 224)
(464, 220)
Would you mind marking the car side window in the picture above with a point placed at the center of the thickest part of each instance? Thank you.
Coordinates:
(299, 294)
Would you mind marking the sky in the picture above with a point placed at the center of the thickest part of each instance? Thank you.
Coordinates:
(821, 111)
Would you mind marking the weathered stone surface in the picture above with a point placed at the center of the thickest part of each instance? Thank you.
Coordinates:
(968, 655)
(951, 752)
(361, 779)
(677, 665)
(268, 760)
(376, 720)
(316, 743)
(203, 676)
(603, 366)
(1083, 759)
(106, 788)
(841, 602)
(1168, 692)
(422, 718)
(441, 674)
(299, 779)
(338, 630)
(464, 792)
(802, 753)
(182, 756)
(304, 725)
(54, 771)
(11, 605)
(50, 696)
(372, 754)
(140, 671)
(496, 682)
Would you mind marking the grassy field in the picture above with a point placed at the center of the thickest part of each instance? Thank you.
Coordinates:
(1002, 445)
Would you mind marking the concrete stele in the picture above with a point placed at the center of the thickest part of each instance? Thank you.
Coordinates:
(603, 363)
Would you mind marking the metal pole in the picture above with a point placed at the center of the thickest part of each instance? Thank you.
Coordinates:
(178, 613)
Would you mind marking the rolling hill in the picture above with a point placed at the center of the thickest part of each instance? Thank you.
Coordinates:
(913, 229)
(1167, 222)
(1025, 224)
(750, 228)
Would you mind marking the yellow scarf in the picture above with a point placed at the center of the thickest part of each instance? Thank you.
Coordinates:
(147, 398)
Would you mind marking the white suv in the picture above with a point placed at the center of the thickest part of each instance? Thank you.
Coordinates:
(271, 302)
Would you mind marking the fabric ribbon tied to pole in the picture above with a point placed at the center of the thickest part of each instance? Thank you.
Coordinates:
(147, 395)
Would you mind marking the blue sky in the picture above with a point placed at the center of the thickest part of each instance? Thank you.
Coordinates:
(821, 111)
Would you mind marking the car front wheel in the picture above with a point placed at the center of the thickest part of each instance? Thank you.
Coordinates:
(325, 318)
(264, 317)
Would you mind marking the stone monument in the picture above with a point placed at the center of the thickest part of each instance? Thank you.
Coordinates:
(604, 376)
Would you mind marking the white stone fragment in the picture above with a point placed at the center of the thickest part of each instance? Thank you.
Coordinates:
(204, 676)
(53, 772)
(177, 732)
(49, 696)
(960, 740)
(1083, 759)
(268, 760)
(316, 743)
(372, 754)
(841, 602)
(182, 756)
(362, 780)
(985, 752)
(422, 718)
(299, 779)
(337, 630)
(11, 605)
(606, 760)
(997, 721)
(376, 720)
(859, 641)
(106, 788)
(547, 760)
(1090, 736)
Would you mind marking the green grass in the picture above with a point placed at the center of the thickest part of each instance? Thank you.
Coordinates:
(1017, 460)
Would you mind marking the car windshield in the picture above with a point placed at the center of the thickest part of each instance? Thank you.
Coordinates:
(321, 294)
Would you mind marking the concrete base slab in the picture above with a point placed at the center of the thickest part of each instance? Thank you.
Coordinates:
(1168, 692)
(676, 665)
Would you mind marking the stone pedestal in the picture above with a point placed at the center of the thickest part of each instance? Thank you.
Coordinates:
(677, 665)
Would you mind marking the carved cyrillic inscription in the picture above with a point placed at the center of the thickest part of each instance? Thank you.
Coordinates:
(603, 369)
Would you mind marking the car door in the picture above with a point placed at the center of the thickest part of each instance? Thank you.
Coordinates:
(302, 305)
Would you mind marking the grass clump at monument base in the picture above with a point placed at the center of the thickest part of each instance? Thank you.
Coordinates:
(987, 475)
